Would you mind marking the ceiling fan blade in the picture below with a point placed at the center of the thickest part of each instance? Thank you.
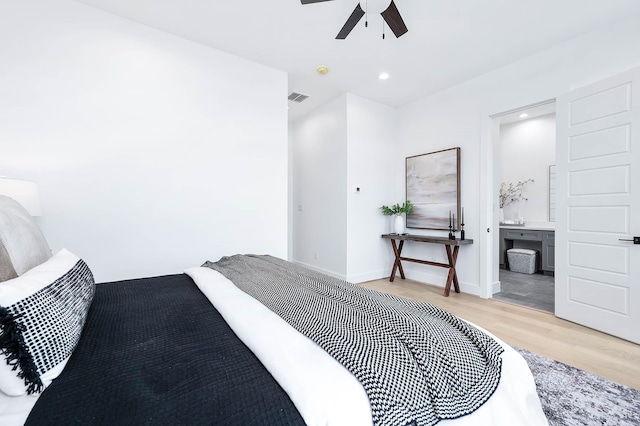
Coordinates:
(394, 20)
(353, 20)
(312, 1)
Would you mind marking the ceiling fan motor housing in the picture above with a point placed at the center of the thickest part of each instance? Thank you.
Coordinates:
(389, 12)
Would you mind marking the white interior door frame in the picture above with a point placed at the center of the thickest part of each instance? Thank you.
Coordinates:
(488, 224)
(489, 184)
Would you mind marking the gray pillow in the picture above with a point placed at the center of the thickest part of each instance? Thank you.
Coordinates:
(6, 267)
(22, 244)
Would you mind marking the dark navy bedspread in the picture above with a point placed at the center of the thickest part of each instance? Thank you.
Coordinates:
(155, 351)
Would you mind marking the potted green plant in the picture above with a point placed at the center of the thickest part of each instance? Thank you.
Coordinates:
(398, 210)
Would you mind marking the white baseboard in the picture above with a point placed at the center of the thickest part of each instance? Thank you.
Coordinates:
(355, 278)
(496, 287)
(369, 276)
(324, 271)
(419, 276)
(439, 281)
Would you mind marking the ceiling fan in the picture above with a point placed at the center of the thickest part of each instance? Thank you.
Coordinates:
(391, 16)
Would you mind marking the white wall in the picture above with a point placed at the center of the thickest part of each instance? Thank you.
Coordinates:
(434, 125)
(319, 188)
(344, 145)
(371, 158)
(153, 154)
(527, 148)
(460, 115)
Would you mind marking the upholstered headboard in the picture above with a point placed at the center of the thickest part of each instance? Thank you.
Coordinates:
(22, 244)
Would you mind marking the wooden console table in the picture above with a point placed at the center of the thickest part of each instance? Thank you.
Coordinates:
(452, 256)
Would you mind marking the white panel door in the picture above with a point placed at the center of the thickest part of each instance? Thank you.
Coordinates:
(598, 206)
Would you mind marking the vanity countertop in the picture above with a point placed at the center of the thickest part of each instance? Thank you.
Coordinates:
(539, 226)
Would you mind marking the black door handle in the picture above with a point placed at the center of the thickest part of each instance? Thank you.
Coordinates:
(636, 240)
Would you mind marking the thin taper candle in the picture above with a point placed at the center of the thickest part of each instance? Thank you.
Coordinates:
(450, 218)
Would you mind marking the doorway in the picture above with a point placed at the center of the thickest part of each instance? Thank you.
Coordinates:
(596, 206)
(524, 179)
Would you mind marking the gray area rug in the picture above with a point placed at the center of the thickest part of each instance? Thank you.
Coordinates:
(570, 396)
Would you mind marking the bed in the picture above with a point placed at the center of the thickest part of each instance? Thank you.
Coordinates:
(194, 348)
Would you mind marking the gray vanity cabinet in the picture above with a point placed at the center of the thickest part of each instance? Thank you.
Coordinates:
(541, 240)
(548, 251)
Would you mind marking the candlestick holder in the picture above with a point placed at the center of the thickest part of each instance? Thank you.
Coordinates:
(452, 222)
(462, 231)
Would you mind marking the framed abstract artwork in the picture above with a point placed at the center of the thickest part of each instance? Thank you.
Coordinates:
(433, 186)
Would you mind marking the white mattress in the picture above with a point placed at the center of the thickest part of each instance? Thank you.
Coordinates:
(323, 391)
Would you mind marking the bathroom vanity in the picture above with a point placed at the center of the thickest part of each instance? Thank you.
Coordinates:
(540, 237)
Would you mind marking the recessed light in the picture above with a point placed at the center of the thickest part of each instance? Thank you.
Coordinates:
(524, 115)
(383, 76)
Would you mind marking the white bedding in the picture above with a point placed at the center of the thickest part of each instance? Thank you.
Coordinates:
(14, 410)
(326, 393)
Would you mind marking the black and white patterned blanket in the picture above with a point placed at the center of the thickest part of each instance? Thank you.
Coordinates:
(417, 363)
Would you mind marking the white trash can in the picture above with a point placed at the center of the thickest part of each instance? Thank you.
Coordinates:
(522, 260)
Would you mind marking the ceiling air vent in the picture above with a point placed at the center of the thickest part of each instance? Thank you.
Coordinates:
(298, 97)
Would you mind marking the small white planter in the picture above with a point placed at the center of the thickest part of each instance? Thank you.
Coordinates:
(399, 224)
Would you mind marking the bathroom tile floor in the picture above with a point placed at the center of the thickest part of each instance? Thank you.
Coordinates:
(532, 290)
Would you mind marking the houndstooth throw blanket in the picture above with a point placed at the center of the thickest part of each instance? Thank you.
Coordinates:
(417, 363)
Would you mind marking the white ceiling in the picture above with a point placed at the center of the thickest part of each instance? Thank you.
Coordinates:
(534, 111)
(448, 41)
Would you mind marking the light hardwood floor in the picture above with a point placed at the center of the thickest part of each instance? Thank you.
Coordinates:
(532, 329)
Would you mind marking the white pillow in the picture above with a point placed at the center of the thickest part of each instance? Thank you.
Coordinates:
(42, 314)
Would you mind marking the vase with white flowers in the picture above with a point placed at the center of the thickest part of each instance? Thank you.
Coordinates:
(398, 210)
(511, 193)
